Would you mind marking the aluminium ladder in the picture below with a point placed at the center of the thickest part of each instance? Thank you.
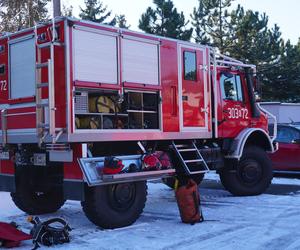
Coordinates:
(45, 125)
(190, 157)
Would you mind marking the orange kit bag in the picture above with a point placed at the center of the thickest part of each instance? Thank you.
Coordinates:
(188, 201)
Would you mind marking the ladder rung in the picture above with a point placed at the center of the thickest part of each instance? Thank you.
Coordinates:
(44, 45)
(187, 150)
(41, 65)
(43, 125)
(41, 105)
(42, 85)
(181, 145)
(58, 44)
(199, 172)
(196, 160)
(48, 44)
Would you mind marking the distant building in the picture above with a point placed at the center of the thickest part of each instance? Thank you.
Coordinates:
(285, 112)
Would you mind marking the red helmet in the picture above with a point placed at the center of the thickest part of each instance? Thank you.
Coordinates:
(112, 165)
(151, 162)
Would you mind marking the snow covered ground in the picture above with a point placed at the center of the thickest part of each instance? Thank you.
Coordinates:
(268, 221)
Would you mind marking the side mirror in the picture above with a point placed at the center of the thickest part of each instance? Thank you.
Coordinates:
(257, 88)
(257, 96)
(296, 141)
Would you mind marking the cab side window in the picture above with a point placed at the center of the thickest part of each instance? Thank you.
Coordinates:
(231, 87)
(190, 66)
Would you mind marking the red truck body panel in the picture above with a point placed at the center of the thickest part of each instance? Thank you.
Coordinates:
(172, 107)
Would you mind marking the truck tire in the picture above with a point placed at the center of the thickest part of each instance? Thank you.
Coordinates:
(114, 206)
(252, 176)
(170, 182)
(35, 203)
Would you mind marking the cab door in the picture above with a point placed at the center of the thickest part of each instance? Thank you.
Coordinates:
(234, 112)
(194, 111)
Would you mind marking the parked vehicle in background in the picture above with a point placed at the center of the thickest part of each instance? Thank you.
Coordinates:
(287, 157)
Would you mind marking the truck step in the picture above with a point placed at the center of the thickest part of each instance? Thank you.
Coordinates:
(181, 145)
(196, 160)
(187, 150)
(189, 153)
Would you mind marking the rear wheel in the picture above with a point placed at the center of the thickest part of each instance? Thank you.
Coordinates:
(114, 206)
(251, 176)
(34, 202)
(39, 189)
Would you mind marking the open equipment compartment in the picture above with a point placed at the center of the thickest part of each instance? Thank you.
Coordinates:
(142, 108)
(102, 110)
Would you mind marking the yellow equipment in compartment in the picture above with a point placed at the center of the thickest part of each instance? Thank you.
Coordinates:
(103, 104)
(87, 123)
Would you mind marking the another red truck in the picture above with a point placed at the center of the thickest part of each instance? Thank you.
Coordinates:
(90, 112)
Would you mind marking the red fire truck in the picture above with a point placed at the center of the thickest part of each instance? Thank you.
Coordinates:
(90, 112)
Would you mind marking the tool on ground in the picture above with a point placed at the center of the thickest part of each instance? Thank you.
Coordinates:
(51, 232)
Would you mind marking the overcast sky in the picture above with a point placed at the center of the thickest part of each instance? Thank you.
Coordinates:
(283, 12)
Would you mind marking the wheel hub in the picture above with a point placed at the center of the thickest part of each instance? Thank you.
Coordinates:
(121, 196)
(250, 171)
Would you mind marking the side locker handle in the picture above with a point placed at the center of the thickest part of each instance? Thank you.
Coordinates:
(174, 101)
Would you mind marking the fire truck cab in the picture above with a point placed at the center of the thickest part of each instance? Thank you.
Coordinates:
(90, 112)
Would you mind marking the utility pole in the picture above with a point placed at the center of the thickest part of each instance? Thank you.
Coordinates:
(56, 8)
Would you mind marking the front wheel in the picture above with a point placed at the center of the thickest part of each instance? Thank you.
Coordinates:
(114, 206)
(251, 176)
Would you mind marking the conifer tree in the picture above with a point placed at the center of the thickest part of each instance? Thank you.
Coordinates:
(285, 84)
(199, 21)
(165, 20)
(20, 14)
(122, 22)
(251, 39)
(95, 11)
(212, 19)
(245, 35)
(67, 10)
(253, 42)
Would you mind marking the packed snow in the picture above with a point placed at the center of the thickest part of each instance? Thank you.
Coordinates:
(268, 221)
